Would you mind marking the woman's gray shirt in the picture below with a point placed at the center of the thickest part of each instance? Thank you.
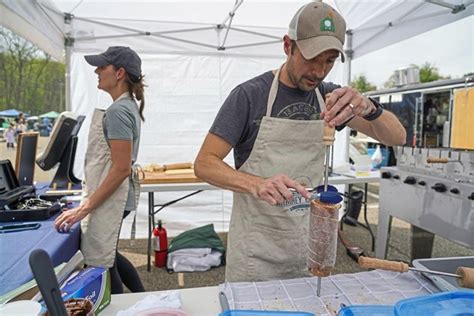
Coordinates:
(122, 122)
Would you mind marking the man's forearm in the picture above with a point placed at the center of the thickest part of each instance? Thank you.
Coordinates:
(216, 172)
(388, 129)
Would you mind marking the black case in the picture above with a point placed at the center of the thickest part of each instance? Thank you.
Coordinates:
(11, 193)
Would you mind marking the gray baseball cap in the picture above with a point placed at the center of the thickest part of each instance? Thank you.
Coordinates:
(119, 56)
(316, 28)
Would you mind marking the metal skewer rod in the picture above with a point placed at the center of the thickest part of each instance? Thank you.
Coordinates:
(328, 140)
(326, 177)
(326, 168)
(436, 272)
(318, 287)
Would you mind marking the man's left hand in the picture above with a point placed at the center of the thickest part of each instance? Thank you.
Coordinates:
(343, 104)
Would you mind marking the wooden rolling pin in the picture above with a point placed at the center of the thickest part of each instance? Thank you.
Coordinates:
(464, 275)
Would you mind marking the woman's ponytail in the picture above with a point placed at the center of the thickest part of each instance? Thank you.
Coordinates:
(136, 89)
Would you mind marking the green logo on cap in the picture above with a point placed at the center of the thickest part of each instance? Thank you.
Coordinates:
(327, 24)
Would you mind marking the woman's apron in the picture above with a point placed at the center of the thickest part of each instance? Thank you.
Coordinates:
(268, 242)
(100, 229)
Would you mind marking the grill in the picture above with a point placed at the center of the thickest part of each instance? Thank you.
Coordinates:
(435, 198)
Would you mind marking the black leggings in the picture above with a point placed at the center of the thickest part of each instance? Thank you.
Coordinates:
(124, 271)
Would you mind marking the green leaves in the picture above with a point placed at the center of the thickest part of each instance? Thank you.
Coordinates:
(29, 80)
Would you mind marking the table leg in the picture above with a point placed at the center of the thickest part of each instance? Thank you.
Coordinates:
(366, 188)
(421, 243)
(151, 215)
(385, 221)
(347, 201)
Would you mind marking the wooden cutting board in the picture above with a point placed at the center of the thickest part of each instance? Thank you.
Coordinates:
(176, 176)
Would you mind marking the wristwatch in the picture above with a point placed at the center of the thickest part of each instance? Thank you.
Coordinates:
(375, 113)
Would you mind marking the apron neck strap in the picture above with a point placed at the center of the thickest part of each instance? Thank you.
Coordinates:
(124, 95)
(274, 89)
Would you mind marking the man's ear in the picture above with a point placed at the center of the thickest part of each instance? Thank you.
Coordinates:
(287, 44)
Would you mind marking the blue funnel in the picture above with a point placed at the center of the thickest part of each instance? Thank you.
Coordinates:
(330, 188)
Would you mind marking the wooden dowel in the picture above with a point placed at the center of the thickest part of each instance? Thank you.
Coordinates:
(467, 277)
(374, 263)
(328, 137)
(436, 160)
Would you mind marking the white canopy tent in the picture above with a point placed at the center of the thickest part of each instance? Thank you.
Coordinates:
(193, 54)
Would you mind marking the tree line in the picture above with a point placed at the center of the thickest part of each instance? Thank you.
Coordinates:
(428, 72)
(30, 81)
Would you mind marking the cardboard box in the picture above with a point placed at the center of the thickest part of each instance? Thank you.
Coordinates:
(87, 290)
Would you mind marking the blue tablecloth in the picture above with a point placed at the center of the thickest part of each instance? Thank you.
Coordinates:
(15, 249)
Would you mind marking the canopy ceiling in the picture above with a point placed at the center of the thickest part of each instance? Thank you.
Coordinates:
(177, 27)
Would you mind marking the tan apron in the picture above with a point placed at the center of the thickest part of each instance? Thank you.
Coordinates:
(268, 242)
(100, 229)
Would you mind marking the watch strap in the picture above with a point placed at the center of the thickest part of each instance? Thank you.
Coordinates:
(374, 114)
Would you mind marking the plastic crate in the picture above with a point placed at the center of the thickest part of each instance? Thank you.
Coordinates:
(447, 303)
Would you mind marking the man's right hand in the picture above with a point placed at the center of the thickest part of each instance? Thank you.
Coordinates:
(275, 190)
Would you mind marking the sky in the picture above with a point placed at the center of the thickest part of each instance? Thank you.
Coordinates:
(450, 48)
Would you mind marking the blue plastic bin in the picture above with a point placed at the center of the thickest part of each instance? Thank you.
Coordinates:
(367, 310)
(384, 163)
(443, 304)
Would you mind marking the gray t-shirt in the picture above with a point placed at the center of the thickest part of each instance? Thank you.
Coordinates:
(239, 118)
(122, 122)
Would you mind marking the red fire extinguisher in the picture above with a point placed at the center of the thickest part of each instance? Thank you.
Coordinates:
(161, 245)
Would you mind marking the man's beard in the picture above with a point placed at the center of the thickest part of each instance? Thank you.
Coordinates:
(299, 82)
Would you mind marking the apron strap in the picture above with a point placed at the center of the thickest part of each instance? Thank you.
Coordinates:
(273, 92)
(133, 230)
(135, 175)
(274, 89)
(322, 104)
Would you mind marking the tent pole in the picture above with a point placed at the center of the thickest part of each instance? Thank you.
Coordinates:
(68, 78)
(231, 13)
(347, 82)
(349, 53)
(68, 44)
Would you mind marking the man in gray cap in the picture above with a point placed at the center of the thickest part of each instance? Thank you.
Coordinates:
(274, 123)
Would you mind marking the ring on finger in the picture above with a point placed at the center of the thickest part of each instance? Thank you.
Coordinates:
(351, 107)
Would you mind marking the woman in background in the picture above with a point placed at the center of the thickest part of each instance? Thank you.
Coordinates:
(110, 193)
